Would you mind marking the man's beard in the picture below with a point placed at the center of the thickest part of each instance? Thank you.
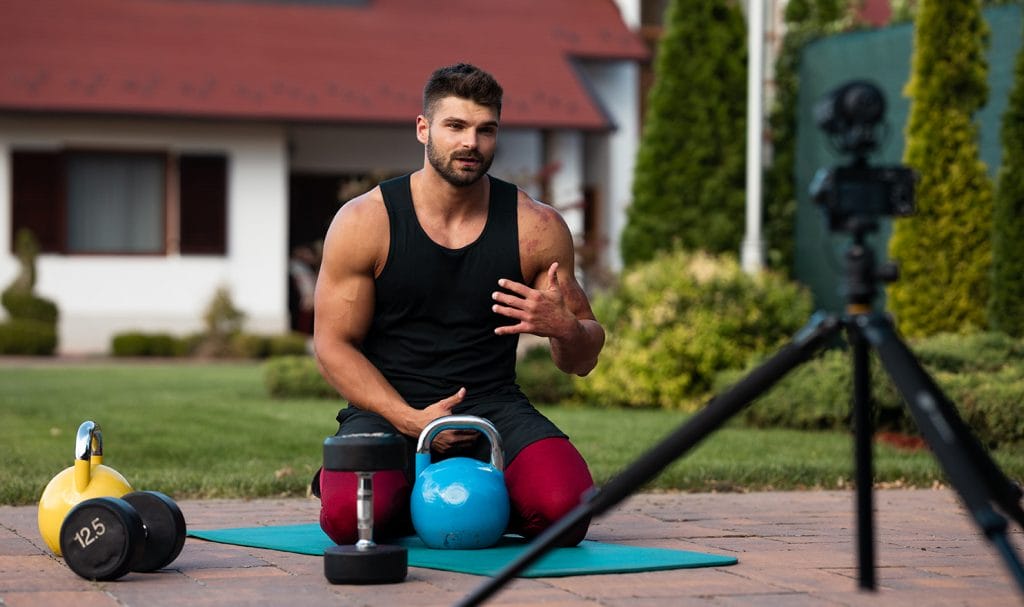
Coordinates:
(445, 167)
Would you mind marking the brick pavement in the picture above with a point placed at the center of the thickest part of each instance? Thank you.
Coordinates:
(795, 549)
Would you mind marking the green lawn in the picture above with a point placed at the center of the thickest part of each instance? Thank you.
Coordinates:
(209, 430)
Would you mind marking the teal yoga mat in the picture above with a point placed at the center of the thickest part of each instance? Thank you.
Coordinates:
(586, 559)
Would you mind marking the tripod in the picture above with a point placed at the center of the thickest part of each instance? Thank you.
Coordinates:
(972, 473)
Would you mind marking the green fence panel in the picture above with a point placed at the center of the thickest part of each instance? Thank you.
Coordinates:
(881, 56)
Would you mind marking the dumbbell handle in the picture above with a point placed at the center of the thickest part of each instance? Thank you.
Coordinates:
(364, 511)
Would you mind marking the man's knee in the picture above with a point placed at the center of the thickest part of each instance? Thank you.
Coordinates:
(546, 481)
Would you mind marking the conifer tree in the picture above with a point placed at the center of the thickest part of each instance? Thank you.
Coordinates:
(944, 249)
(1006, 305)
(688, 187)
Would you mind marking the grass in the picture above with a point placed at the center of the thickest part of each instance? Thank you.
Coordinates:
(209, 430)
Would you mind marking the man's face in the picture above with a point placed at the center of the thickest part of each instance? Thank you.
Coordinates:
(460, 139)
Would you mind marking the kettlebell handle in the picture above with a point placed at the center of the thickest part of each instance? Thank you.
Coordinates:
(463, 422)
(89, 442)
(88, 452)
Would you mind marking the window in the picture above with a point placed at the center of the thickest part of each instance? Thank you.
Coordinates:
(115, 203)
(83, 202)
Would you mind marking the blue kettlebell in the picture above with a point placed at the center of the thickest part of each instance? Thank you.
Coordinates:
(459, 503)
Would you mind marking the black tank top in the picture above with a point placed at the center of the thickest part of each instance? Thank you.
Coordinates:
(433, 328)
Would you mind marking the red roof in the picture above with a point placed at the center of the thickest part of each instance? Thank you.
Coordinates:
(307, 61)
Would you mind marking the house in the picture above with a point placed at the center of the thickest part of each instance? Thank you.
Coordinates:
(161, 149)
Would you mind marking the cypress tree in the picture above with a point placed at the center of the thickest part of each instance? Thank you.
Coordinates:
(1006, 305)
(944, 250)
(688, 187)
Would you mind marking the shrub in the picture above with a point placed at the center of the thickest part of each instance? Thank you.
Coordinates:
(675, 322)
(223, 322)
(944, 249)
(688, 186)
(20, 304)
(29, 337)
(540, 379)
(295, 377)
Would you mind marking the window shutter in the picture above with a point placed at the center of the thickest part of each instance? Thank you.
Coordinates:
(37, 198)
(203, 195)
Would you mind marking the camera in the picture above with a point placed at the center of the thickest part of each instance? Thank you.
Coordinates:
(854, 196)
(862, 192)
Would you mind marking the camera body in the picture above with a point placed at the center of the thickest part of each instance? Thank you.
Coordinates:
(854, 196)
(863, 192)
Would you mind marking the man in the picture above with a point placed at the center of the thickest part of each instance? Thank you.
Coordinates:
(426, 283)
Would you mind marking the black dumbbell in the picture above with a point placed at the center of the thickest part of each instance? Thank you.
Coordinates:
(106, 537)
(365, 562)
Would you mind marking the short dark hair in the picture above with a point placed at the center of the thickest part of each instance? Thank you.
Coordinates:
(464, 81)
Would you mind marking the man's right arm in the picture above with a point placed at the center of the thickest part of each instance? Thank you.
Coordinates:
(354, 251)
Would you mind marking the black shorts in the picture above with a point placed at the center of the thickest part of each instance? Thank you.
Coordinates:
(518, 423)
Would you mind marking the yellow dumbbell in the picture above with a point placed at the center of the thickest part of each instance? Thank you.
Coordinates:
(87, 479)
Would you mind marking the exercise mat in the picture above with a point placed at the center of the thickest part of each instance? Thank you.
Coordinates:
(586, 559)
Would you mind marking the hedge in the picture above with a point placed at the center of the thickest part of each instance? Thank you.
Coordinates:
(982, 373)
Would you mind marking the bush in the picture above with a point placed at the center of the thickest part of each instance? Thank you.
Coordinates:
(675, 322)
(981, 373)
(29, 306)
(295, 377)
(135, 343)
(29, 337)
(540, 379)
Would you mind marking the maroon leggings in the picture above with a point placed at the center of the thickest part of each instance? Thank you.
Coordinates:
(545, 481)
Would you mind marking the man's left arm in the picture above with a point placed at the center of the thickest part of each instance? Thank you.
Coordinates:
(554, 305)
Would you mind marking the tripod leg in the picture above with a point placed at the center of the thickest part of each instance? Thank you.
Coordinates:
(805, 344)
(969, 468)
(863, 433)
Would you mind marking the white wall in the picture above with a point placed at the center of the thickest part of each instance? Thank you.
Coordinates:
(99, 295)
(611, 159)
(566, 149)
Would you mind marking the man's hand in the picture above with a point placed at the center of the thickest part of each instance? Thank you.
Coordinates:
(447, 439)
(539, 312)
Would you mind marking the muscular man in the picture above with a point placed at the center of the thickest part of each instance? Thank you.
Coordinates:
(426, 283)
